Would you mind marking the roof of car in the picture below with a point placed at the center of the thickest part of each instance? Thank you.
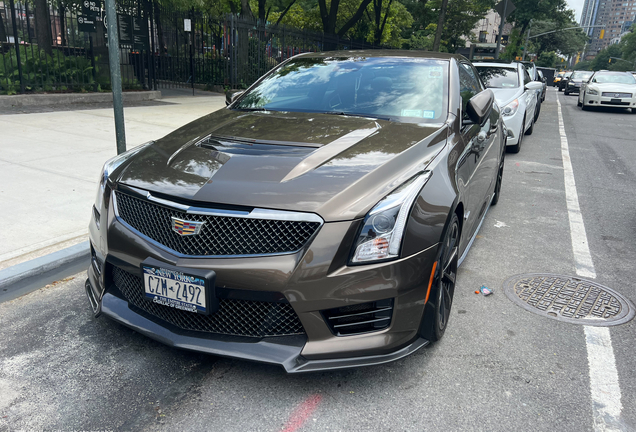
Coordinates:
(499, 64)
(386, 53)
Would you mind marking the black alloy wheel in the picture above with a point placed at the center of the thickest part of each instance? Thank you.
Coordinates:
(443, 287)
(495, 197)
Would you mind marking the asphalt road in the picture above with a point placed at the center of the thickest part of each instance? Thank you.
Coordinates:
(499, 367)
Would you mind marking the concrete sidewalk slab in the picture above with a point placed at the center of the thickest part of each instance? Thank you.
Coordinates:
(50, 162)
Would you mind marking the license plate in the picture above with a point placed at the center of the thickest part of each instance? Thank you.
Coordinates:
(616, 101)
(175, 289)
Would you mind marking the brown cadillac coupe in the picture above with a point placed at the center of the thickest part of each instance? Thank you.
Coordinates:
(315, 223)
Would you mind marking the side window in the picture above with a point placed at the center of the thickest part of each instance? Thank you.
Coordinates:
(468, 84)
(526, 76)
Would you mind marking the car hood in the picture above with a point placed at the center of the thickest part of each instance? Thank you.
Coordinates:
(504, 96)
(335, 166)
(614, 87)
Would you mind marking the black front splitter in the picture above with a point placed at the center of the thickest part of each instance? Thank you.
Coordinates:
(283, 351)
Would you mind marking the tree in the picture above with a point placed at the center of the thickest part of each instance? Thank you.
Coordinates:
(547, 59)
(601, 61)
(440, 25)
(3, 31)
(43, 26)
(628, 45)
(329, 16)
(565, 42)
(379, 20)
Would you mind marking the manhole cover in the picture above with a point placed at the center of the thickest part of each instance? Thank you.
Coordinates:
(569, 299)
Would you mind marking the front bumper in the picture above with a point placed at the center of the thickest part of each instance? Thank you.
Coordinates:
(311, 281)
(606, 101)
(514, 126)
(574, 87)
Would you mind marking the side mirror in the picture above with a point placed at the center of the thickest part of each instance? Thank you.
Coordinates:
(533, 85)
(479, 106)
(232, 95)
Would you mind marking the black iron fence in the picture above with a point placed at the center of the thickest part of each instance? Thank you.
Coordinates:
(64, 48)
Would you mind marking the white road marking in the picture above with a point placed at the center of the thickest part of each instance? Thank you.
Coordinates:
(604, 385)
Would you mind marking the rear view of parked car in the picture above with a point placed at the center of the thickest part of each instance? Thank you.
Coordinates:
(564, 81)
(609, 89)
(516, 94)
(575, 81)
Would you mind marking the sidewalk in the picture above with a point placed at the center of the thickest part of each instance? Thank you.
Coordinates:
(50, 162)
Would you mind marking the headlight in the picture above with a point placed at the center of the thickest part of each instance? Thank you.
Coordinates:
(592, 92)
(384, 225)
(110, 166)
(511, 108)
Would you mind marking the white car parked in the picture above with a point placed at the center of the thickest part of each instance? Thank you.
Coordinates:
(516, 94)
(609, 89)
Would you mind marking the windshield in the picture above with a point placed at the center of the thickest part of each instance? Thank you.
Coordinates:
(567, 75)
(582, 75)
(609, 77)
(404, 89)
(498, 77)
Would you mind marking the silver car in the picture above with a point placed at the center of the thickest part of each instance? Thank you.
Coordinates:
(516, 94)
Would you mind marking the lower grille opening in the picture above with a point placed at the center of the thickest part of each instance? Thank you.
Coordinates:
(235, 317)
(359, 318)
(615, 103)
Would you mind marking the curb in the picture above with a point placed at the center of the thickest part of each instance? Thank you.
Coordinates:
(73, 98)
(32, 275)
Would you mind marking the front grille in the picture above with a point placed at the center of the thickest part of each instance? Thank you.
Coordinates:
(234, 317)
(616, 95)
(219, 235)
(359, 318)
(615, 103)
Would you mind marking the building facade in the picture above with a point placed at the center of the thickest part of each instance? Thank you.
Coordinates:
(487, 28)
(617, 17)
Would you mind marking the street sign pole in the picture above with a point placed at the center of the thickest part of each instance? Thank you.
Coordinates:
(525, 46)
(504, 8)
(115, 75)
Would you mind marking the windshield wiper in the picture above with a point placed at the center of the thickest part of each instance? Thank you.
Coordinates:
(343, 113)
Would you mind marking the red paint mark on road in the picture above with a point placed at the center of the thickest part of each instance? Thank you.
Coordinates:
(302, 413)
(517, 164)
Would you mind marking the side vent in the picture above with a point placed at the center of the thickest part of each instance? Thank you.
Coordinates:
(359, 318)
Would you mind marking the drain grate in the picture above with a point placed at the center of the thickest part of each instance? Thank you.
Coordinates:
(569, 299)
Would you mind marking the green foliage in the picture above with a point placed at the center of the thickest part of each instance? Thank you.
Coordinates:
(628, 45)
(547, 59)
(583, 65)
(566, 42)
(42, 72)
(601, 61)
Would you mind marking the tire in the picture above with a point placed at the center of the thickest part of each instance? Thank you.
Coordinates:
(438, 307)
(578, 103)
(515, 148)
(537, 110)
(633, 110)
(567, 93)
(495, 197)
(531, 128)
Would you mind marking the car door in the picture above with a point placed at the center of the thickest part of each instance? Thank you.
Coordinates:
(530, 98)
(473, 164)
